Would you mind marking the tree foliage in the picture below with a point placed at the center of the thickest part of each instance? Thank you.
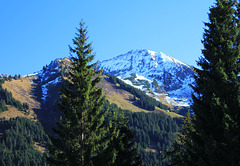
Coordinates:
(212, 137)
(122, 148)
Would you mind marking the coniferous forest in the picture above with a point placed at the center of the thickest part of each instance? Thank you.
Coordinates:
(154, 133)
(17, 142)
(151, 131)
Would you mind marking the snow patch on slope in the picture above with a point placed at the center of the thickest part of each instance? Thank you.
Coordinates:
(45, 89)
(142, 78)
(48, 76)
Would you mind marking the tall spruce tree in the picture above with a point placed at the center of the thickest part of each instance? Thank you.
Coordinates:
(213, 138)
(82, 131)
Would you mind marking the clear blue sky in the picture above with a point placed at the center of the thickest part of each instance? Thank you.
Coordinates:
(33, 33)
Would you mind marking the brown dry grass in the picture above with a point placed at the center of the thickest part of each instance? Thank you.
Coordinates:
(119, 96)
(21, 90)
(40, 147)
(13, 112)
(172, 114)
(150, 150)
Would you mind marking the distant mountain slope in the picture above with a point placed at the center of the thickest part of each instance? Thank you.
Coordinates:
(51, 75)
(153, 72)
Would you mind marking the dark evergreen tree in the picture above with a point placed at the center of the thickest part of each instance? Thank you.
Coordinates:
(182, 147)
(213, 138)
(82, 132)
(3, 106)
(127, 153)
(122, 148)
(15, 77)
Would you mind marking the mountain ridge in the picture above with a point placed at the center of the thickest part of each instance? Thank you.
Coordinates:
(160, 76)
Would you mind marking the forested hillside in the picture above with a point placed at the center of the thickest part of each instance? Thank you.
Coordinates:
(22, 142)
(154, 133)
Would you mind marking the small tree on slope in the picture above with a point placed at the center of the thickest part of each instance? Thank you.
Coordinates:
(214, 135)
(125, 145)
(122, 148)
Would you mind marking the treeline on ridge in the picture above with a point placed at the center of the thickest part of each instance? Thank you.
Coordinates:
(145, 101)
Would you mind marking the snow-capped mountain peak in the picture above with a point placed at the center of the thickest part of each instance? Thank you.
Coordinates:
(171, 75)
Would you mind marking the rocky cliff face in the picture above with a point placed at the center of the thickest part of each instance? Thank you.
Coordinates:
(152, 72)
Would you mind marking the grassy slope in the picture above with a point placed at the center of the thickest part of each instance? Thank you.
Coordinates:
(22, 90)
(124, 99)
(119, 96)
(13, 112)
